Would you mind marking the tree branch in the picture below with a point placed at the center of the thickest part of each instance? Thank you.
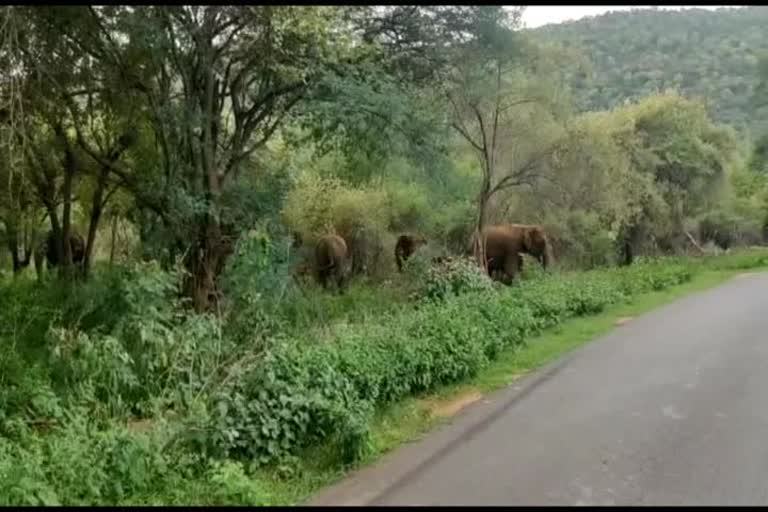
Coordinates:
(524, 175)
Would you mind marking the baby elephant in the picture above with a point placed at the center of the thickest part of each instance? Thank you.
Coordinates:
(331, 255)
(406, 245)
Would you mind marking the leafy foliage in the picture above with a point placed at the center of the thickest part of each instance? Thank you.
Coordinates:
(454, 277)
(194, 146)
(701, 53)
(299, 397)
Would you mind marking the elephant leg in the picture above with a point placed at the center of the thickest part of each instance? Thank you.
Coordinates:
(492, 267)
(340, 281)
(543, 260)
(323, 278)
(511, 266)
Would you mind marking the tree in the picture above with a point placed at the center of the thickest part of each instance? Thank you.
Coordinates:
(58, 90)
(759, 159)
(761, 89)
(688, 158)
(383, 102)
(16, 206)
(710, 53)
(505, 99)
(592, 190)
(213, 84)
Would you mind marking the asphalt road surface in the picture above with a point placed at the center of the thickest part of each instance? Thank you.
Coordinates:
(670, 408)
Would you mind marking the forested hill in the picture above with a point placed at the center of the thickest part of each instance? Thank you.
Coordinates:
(700, 52)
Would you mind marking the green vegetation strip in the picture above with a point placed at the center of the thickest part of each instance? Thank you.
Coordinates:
(277, 425)
(411, 418)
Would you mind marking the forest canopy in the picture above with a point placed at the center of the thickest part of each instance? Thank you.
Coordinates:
(233, 237)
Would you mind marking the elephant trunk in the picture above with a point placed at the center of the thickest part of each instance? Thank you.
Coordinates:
(546, 257)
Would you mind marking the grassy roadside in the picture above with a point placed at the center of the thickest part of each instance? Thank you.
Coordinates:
(410, 419)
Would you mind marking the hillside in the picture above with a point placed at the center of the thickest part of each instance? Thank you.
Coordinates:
(700, 52)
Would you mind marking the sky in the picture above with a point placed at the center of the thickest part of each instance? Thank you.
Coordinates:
(538, 15)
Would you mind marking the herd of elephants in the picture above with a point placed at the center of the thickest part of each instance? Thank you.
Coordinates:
(501, 245)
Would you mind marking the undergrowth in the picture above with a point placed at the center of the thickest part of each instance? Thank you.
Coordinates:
(112, 393)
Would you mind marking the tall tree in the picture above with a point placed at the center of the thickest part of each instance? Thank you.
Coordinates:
(502, 89)
(687, 156)
(214, 85)
(16, 207)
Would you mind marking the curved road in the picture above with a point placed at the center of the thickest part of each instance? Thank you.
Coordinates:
(669, 409)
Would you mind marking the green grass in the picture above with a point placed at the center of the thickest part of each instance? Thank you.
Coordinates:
(294, 478)
(412, 418)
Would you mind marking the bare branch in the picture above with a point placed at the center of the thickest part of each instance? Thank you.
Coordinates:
(516, 104)
(237, 158)
(466, 136)
(479, 117)
(496, 112)
(525, 175)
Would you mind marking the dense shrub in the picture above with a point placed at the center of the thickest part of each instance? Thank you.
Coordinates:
(726, 229)
(298, 398)
(453, 277)
(121, 343)
(80, 463)
(233, 410)
(317, 206)
(585, 240)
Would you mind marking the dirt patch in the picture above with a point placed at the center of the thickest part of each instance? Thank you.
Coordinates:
(623, 320)
(144, 425)
(744, 274)
(451, 406)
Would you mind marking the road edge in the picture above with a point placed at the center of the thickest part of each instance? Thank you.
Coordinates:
(372, 482)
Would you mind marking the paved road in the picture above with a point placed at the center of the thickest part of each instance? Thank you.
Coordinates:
(669, 409)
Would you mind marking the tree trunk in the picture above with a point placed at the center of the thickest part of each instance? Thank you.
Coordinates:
(204, 265)
(65, 268)
(695, 243)
(482, 215)
(93, 225)
(112, 241)
(55, 238)
(39, 257)
(631, 239)
(19, 263)
(627, 254)
(65, 263)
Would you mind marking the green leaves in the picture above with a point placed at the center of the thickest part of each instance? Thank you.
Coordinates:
(701, 53)
(324, 394)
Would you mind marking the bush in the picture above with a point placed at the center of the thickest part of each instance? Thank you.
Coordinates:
(453, 277)
(80, 463)
(302, 396)
(727, 229)
(146, 352)
(258, 285)
(265, 408)
(26, 394)
(585, 241)
(317, 206)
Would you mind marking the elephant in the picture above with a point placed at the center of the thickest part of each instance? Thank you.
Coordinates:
(331, 260)
(406, 245)
(47, 250)
(505, 243)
